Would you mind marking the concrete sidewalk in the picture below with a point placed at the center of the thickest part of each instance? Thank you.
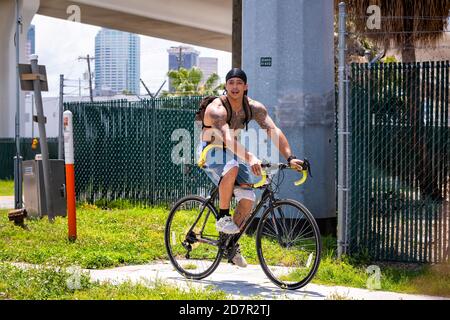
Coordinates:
(6, 202)
(245, 283)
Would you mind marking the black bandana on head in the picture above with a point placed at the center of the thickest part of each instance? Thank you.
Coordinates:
(236, 73)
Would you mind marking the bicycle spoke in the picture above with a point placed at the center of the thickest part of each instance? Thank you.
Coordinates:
(289, 245)
(192, 239)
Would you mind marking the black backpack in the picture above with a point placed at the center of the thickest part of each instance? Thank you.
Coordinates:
(200, 114)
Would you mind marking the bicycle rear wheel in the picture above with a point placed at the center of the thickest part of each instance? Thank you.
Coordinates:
(191, 239)
(288, 244)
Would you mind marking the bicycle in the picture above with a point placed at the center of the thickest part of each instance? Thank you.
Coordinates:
(288, 240)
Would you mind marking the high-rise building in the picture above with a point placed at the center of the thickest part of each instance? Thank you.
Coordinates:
(117, 62)
(182, 56)
(31, 41)
(208, 66)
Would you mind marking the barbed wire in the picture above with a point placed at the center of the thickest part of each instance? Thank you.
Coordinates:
(396, 32)
(431, 47)
(71, 92)
(402, 17)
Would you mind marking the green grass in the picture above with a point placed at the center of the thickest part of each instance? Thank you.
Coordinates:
(6, 187)
(47, 283)
(106, 238)
(110, 238)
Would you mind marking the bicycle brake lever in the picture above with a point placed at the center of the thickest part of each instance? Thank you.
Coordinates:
(308, 166)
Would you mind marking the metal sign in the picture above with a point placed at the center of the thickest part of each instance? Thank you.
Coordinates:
(27, 77)
(265, 62)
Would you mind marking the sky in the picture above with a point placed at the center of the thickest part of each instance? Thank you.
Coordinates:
(60, 42)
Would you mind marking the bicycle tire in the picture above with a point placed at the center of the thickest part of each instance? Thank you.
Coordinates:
(168, 234)
(262, 227)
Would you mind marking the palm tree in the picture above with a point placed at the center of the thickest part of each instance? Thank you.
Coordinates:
(187, 82)
(405, 23)
(210, 87)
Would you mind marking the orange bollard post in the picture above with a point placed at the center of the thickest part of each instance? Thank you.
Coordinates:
(70, 175)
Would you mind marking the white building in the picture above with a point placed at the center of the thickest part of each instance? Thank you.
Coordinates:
(208, 66)
(51, 112)
(117, 62)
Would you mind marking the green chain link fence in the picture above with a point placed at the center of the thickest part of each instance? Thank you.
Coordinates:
(400, 161)
(8, 152)
(123, 150)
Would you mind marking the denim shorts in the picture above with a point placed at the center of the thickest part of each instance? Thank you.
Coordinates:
(220, 161)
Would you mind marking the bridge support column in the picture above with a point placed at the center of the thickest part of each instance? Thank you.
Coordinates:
(8, 65)
(288, 55)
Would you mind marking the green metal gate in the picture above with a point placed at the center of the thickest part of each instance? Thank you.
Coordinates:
(399, 161)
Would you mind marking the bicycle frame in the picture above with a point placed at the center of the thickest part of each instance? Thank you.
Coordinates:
(267, 197)
(271, 212)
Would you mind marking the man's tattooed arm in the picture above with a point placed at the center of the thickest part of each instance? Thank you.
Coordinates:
(261, 116)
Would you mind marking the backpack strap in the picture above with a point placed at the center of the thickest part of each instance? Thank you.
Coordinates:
(200, 115)
(227, 106)
(248, 111)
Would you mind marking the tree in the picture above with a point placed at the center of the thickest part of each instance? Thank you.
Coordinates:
(187, 82)
(210, 87)
(405, 24)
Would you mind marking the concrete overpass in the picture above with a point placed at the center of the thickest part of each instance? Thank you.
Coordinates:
(206, 23)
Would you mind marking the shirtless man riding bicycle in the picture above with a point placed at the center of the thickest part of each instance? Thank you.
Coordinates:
(222, 121)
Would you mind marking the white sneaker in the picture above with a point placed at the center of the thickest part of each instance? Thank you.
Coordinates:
(238, 259)
(227, 225)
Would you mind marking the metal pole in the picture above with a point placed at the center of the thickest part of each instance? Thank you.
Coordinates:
(61, 110)
(32, 114)
(42, 136)
(17, 159)
(157, 92)
(146, 89)
(90, 78)
(236, 35)
(342, 138)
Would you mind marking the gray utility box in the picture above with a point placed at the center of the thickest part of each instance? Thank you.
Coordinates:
(34, 191)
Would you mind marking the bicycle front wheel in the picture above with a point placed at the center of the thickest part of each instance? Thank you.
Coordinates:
(191, 239)
(288, 244)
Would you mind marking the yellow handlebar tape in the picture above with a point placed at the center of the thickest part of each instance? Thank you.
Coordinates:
(201, 162)
(262, 181)
(303, 178)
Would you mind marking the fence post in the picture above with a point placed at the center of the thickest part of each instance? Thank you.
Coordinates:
(18, 204)
(153, 152)
(60, 116)
(342, 137)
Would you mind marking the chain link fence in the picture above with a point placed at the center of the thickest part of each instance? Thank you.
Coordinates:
(400, 161)
(394, 150)
(123, 150)
(8, 152)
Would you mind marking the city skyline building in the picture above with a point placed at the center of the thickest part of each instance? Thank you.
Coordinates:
(117, 62)
(182, 56)
(208, 65)
(31, 41)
